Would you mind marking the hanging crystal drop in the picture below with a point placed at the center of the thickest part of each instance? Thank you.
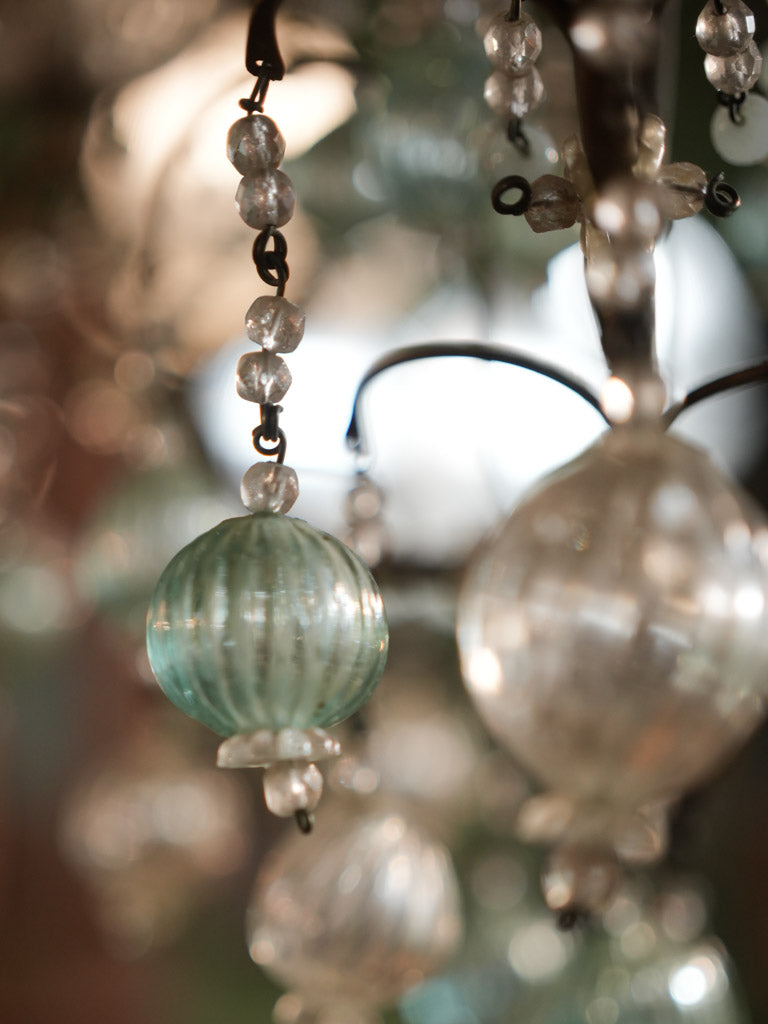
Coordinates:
(269, 487)
(726, 33)
(513, 46)
(255, 145)
(262, 377)
(275, 323)
(267, 199)
(737, 74)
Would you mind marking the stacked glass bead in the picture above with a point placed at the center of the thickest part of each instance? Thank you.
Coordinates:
(265, 200)
(515, 88)
(725, 31)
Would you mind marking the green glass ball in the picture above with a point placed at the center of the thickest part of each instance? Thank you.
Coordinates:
(264, 622)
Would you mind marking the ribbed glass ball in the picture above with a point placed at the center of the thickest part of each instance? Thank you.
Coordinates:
(614, 634)
(264, 622)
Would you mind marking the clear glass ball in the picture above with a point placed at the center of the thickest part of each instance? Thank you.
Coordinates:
(513, 46)
(515, 96)
(365, 909)
(631, 588)
(254, 144)
(266, 623)
(266, 199)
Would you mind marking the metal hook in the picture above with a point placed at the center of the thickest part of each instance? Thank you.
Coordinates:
(305, 821)
(721, 199)
(262, 55)
(508, 184)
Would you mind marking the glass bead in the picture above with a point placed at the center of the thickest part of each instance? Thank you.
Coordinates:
(514, 97)
(554, 204)
(262, 377)
(266, 199)
(745, 143)
(358, 913)
(634, 579)
(628, 211)
(266, 623)
(610, 35)
(254, 145)
(269, 487)
(292, 786)
(275, 323)
(726, 34)
(581, 878)
(651, 147)
(364, 501)
(265, 747)
(683, 188)
(737, 74)
(513, 46)
(620, 278)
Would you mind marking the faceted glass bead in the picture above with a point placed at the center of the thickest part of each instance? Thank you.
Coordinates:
(266, 623)
(262, 377)
(737, 74)
(633, 584)
(254, 145)
(353, 916)
(745, 143)
(275, 323)
(726, 34)
(514, 97)
(269, 487)
(554, 204)
(513, 46)
(683, 188)
(266, 199)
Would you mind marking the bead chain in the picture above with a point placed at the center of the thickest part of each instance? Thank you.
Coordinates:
(724, 31)
(265, 199)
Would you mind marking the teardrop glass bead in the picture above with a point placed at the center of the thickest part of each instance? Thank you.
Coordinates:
(266, 623)
(633, 584)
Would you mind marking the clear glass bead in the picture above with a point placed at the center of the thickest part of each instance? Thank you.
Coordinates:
(610, 35)
(652, 146)
(265, 747)
(269, 487)
(514, 97)
(513, 46)
(745, 143)
(726, 34)
(554, 204)
(266, 623)
(581, 878)
(254, 145)
(262, 377)
(620, 278)
(365, 501)
(737, 74)
(355, 915)
(266, 199)
(274, 323)
(683, 189)
(628, 211)
(292, 786)
(632, 582)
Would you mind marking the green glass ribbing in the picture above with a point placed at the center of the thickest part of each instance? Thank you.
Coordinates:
(266, 623)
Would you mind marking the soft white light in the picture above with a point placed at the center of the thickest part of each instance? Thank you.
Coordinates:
(617, 400)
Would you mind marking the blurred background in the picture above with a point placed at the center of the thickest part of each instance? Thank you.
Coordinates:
(126, 859)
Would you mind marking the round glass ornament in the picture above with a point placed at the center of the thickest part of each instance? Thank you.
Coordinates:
(350, 920)
(631, 585)
(268, 631)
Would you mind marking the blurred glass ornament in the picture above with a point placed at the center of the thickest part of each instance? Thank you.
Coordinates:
(139, 526)
(353, 916)
(634, 579)
(150, 831)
